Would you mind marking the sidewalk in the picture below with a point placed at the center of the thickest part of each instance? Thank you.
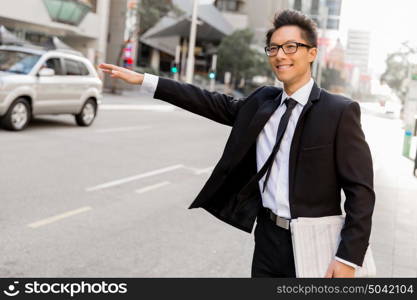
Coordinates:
(394, 231)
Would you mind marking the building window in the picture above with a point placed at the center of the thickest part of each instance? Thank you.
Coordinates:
(332, 23)
(334, 7)
(93, 4)
(68, 11)
(298, 5)
(315, 7)
(36, 38)
(228, 5)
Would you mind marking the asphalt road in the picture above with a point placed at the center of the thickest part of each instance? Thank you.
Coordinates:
(111, 200)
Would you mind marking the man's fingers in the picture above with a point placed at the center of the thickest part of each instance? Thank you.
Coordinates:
(105, 67)
(118, 74)
(121, 73)
(109, 67)
(329, 273)
(113, 73)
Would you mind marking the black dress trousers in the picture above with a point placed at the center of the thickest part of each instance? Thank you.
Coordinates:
(273, 255)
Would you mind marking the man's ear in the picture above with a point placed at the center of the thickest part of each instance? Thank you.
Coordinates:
(312, 54)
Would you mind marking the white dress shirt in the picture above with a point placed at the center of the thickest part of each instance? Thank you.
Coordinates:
(275, 196)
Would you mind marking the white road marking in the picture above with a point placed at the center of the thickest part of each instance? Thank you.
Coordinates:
(206, 170)
(200, 171)
(132, 178)
(107, 130)
(152, 187)
(151, 107)
(59, 217)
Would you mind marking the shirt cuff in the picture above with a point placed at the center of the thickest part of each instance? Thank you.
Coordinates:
(346, 262)
(149, 85)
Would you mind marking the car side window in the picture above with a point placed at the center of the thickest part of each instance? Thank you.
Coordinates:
(55, 64)
(72, 67)
(83, 68)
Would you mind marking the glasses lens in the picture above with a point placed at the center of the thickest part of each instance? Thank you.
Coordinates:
(290, 48)
(271, 51)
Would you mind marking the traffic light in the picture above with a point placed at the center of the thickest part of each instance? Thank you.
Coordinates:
(174, 67)
(212, 74)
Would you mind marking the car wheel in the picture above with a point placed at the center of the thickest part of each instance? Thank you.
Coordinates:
(18, 116)
(87, 114)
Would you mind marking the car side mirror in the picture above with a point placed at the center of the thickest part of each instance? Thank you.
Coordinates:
(46, 72)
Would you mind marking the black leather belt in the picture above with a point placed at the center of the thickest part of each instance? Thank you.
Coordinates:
(279, 221)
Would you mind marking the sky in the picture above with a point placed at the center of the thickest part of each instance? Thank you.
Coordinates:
(390, 22)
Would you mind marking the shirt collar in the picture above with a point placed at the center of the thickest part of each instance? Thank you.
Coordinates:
(301, 95)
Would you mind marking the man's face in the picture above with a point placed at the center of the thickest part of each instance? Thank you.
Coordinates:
(291, 68)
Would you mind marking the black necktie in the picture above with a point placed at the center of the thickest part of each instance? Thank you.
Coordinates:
(290, 103)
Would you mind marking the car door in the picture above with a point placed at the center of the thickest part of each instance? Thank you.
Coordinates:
(75, 84)
(49, 88)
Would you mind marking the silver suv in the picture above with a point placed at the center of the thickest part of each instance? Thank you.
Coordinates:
(35, 82)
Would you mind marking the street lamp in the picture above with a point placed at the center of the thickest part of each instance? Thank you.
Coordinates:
(324, 13)
(193, 32)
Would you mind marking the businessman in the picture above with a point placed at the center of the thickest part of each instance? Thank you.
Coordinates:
(289, 154)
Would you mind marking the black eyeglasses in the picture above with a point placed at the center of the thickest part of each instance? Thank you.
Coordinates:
(288, 48)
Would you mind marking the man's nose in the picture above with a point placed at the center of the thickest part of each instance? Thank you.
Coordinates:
(281, 53)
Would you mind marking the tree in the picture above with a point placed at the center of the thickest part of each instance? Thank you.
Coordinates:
(238, 57)
(151, 11)
(396, 73)
(332, 79)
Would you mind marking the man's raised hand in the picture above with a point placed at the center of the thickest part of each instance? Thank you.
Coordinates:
(126, 75)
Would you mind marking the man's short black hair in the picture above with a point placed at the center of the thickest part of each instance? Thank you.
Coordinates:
(292, 17)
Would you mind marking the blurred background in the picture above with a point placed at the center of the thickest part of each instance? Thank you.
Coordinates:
(110, 199)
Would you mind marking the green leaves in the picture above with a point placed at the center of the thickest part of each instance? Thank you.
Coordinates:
(151, 11)
(395, 75)
(238, 57)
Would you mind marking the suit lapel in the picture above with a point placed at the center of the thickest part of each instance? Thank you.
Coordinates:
(295, 144)
(262, 115)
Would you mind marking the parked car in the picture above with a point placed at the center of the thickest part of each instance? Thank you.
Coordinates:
(393, 107)
(36, 82)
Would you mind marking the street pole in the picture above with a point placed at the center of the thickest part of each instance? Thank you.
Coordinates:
(213, 68)
(324, 11)
(177, 60)
(183, 58)
(193, 32)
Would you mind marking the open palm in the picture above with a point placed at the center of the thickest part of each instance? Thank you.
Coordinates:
(127, 75)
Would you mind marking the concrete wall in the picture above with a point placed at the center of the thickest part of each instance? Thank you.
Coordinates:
(117, 24)
(35, 16)
(90, 37)
(261, 14)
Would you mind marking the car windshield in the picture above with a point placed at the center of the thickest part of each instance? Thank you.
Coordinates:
(17, 62)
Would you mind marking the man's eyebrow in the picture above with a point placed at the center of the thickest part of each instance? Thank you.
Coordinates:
(275, 44)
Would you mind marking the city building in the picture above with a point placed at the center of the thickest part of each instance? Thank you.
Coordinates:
(159, 44)
(255, 15)
(314, 8)
(357, 50)
(81, 24)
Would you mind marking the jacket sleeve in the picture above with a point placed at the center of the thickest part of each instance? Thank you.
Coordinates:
(212, 105)
(354, 168)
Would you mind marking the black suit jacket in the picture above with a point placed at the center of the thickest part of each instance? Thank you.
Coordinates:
(328, 153)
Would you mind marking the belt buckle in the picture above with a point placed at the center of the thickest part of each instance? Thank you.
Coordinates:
(283, 223)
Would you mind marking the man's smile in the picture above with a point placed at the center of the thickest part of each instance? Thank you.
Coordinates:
(281, 67)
